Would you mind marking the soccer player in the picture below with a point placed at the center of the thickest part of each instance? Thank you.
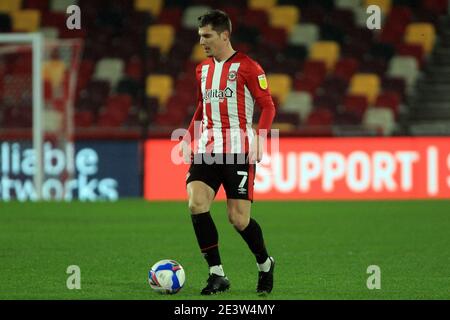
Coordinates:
(229, 85)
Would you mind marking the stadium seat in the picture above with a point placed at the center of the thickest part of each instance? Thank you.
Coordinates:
(402, 14)
(313, 14)
(26, 20)
(404, 67)
(266, 5)
(382, 51)
(274, 36)
(152, 6)
(119, 105)
(159, 86)
(256, 18)
(110, 69)
(54, 19)
(283, 126)
(61, 5)
(280, 85)
(50, 32)
(36, 4)
(304, 84)
(10, 6)
(5, 22)
(130, 87)
(421, 33)
(360, 16)
(371, 65)
(97, 92)
(191, 15)
(83, 119)
(326, 51)
(285, 17)
(85, 72)
(413, 50)
(347, 4)
(385, 5)
(161, 36)
(437, 6)
(389, 99)
(299, 102)
(314, 70)
(320, 117)
(356, 105)
(134, 68)
(170, 16)
(335, 87)
(198, 53)
(345, 68)
(325, 101)
(54, 71)
(53, 121)
(304, 34)
(381, 119)
(395, 84)
(366, 84)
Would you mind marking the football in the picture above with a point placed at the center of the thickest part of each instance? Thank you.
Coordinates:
(166, 277)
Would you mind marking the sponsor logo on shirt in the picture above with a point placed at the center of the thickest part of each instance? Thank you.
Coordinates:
(217, 94)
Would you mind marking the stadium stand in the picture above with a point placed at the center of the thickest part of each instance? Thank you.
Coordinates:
(326, 69)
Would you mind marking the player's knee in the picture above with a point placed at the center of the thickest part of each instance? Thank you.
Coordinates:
(198, 204)
(238, 219)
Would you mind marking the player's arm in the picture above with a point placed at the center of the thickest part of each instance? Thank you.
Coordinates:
(190, 134)
(259, 89)
(198, 114)
(184, 146)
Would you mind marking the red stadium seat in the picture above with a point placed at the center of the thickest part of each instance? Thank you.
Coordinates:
(356, 104)
(305, 84)
(376, 66)
(314, 70)
(410, 49)
(401, 14)
(84, 119)
(320, 117)
(36, 4)
(395, 84)
(276, 37)
(313, 14)
(436, 6)
(134, 68)
(255, 18)
(326, 101)
(393, 32)
(345, 68)
(389, 99)
(171, 16)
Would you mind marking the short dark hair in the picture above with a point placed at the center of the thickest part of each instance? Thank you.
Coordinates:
(218, 20)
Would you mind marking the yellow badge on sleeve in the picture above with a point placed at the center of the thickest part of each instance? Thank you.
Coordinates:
(262, 81)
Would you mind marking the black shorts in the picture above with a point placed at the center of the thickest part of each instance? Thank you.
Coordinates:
(230, 170)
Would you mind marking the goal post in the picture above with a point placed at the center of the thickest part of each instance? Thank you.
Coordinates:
(36, 41)
(48, 90)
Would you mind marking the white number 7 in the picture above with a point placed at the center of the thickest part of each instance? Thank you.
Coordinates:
(244, 178)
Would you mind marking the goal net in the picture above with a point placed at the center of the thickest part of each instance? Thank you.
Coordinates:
(38, 80)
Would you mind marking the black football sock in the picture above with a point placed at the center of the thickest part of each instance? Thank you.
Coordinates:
(207, 237)
(252, 234)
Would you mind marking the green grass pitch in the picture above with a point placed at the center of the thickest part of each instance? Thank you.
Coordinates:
(322, 249)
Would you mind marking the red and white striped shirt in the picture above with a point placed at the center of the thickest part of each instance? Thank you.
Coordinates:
(227, 93)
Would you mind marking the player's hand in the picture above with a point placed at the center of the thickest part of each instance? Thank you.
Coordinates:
(255, 154)
(185, 151)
